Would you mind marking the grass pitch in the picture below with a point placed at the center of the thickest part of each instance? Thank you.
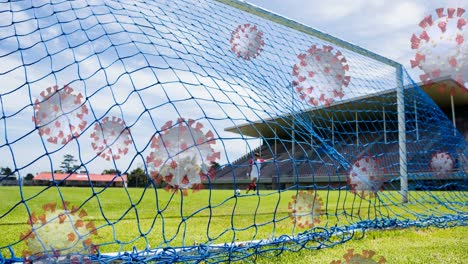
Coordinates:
(156, 218)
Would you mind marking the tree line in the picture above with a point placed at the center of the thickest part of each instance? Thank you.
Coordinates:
(6, 171)
(136, 178)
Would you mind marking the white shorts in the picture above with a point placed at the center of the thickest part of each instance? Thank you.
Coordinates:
(254, 174)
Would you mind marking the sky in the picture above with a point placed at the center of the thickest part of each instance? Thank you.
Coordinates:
(187, 68)
(382, 26)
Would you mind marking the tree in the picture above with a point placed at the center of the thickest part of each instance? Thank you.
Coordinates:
(6, 171)
(111, 171)
(137, 178)
(68, 165)
(29, 176)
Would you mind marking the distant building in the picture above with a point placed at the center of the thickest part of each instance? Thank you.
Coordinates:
(82, 179)
(8, 180)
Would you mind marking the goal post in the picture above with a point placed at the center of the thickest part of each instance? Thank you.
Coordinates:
(130, 131)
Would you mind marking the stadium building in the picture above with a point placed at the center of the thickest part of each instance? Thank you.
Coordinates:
(81, 179)
(321, 145)
(300, 158)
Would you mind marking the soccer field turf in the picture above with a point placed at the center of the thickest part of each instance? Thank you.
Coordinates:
(156, 218)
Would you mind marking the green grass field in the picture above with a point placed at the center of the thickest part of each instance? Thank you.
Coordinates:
(157, 218)
(406, 246)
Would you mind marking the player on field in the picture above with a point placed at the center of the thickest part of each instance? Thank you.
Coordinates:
(254, 171)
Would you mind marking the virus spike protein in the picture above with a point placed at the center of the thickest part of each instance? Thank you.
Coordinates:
(60, 114)
(366, 177)
(441, 164)
(354, 258)
(247, 41)
(442, 49)
(319, 76)
(58, 232)
(180, 154)
(305, 209)
(111, 138)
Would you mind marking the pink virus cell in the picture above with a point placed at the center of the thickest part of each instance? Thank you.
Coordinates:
(247, 41)
(111, 138)
(366, 177)
(320, 75)
(367, 257)
(442, 48)
(182, 155)
(59, 233)
(60, 114)
(441, 164)
(305, 209)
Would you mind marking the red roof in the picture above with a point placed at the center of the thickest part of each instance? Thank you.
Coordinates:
(47, 176)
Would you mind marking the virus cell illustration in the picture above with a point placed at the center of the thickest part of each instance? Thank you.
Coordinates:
(441, 164)
(111, 138)
(60, 114)
(181, 154)
(367, 257)
(59, 233)
(320, 75)
(305, 209)
(246, 41)
(442, 47)
(366, 177)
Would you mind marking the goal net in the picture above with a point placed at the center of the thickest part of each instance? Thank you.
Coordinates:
(129, 132)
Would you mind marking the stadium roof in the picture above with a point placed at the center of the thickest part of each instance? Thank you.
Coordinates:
(266, 128)
(47, 176)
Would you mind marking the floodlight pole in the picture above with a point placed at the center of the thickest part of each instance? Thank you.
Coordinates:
(416, 119)
(293, 149)
(357, 130)
(453, 115)
(384, 125)
(333, 131)
(402, 135)
(276, 137)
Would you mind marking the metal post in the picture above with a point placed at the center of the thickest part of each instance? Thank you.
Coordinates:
(384, 125)
(333, 132)
(402, 135)
(261, 144)
(293, 148)
(276, 136)
(293, 134)
(416, 119)
(246, 147)
(453, 115)
(357, 131)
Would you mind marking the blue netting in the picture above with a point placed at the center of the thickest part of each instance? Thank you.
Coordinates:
(171, 99)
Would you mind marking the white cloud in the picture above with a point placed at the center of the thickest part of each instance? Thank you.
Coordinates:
(336, 9)
(401, 15)
(382, 26)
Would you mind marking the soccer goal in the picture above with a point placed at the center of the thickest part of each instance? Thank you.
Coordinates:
(131, 130)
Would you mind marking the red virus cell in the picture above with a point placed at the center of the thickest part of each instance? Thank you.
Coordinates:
(320, 75)
(366, 177)
(58, 233)
(111, 138)
(246, 41)
(442, 48)
(441, 164)
(367, 257)
(60, 114)
(181, 154)
(305, 209)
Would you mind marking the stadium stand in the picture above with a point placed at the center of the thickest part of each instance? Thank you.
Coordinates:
(306, 159)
